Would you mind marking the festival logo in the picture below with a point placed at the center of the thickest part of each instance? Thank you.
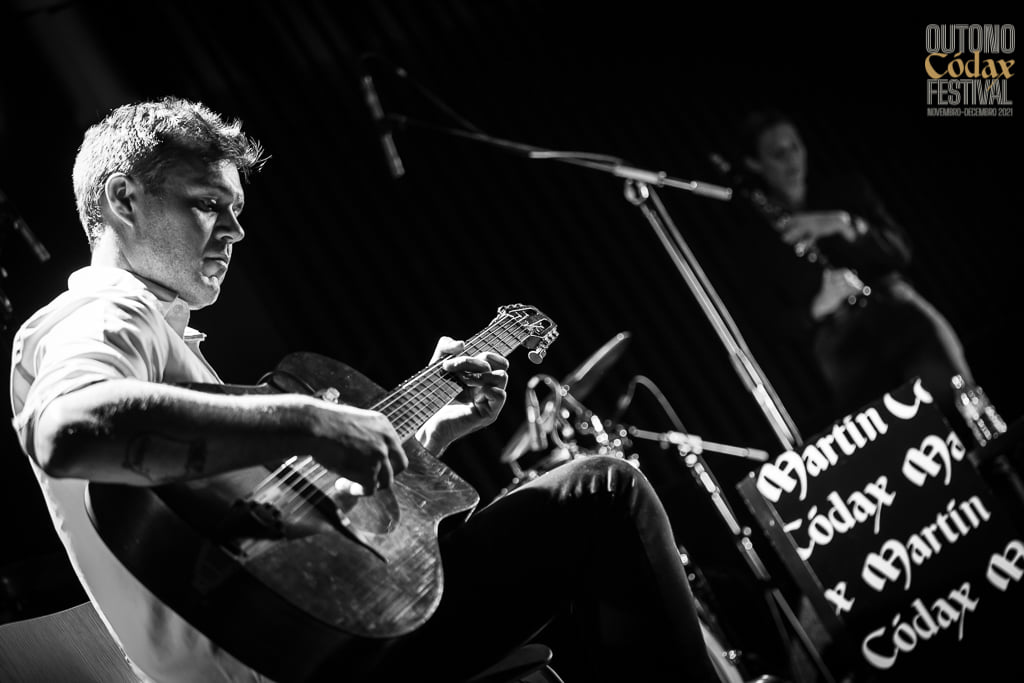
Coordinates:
(969, 68)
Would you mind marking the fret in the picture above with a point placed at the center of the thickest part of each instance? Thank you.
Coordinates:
(419, 398)
(298, 532)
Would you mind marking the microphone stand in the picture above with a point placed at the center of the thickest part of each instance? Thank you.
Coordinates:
(692, 443)
(690, 447)
(639, 192)
(643, 196)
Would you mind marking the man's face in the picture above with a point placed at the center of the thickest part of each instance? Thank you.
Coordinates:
(184, 234)
(782, 159)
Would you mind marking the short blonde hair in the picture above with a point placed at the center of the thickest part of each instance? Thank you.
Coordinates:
(143, 140)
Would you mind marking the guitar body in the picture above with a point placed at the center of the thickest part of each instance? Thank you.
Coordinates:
(286, 579)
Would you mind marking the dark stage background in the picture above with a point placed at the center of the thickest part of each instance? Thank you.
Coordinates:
(342, 259)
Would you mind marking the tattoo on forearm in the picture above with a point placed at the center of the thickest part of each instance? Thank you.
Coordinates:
(159, 458)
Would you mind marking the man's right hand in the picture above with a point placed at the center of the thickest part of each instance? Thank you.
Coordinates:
(362, 445)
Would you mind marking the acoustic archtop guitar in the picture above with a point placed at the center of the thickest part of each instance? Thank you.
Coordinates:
(280, 567)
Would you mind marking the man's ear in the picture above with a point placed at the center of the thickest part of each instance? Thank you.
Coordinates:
(120, 194)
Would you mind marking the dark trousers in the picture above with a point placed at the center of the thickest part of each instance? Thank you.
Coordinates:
(589, 539)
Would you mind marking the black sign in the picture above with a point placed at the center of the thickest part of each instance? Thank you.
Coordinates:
(906, 546)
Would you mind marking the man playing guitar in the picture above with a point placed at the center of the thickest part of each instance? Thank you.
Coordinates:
(98, 397)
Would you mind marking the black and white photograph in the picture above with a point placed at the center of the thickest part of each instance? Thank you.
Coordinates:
(509, 341)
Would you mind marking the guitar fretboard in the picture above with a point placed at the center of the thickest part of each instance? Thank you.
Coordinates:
(417, 399)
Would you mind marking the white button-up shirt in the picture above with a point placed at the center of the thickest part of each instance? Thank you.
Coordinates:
(111, 324)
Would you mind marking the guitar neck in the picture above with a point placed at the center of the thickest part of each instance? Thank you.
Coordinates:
(417, 399)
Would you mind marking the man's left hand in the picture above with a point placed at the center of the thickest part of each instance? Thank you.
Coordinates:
(484, 377)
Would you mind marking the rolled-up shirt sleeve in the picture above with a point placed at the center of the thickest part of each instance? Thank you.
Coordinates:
(74, 344)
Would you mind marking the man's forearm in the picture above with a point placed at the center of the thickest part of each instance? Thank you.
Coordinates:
(134, 432)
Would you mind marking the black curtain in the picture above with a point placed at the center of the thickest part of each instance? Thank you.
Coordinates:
(342, 259)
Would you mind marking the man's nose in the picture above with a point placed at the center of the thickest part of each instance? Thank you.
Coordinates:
(229, 228)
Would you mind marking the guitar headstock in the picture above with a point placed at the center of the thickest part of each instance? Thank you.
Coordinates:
(540, 331)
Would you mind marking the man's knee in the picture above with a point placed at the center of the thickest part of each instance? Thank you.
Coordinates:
(607, 476)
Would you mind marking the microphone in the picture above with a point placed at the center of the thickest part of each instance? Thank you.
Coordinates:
(8, 212)
(387, 141)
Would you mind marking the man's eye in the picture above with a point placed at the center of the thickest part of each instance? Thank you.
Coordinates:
(208, 205)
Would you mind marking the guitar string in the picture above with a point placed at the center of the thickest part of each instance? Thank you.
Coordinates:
(297, 501)
(310, 481)
(289, 470)
(310, 474)
(420, 404)
(275, 475)
(416, 406)
(395, 395)
(300, 489)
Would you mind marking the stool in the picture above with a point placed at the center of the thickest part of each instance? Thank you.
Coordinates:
(71, 645)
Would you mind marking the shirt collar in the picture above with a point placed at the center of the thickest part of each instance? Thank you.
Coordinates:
(175, 311)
